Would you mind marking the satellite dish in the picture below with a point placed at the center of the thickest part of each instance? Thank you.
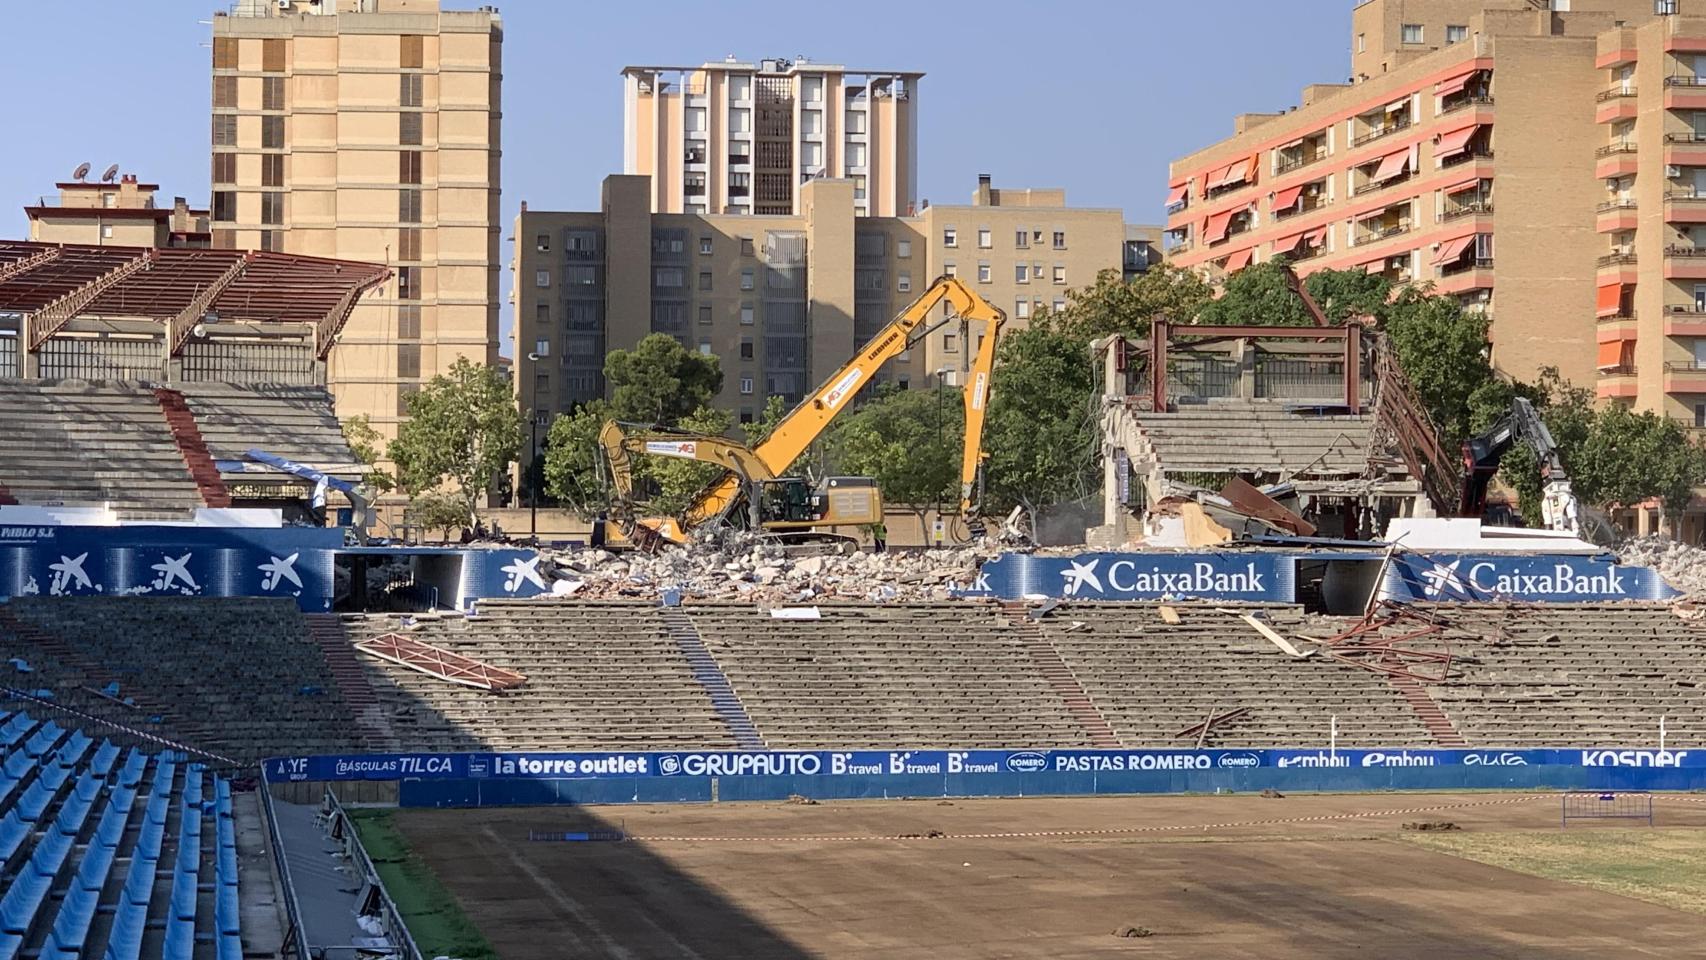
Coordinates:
(108, 174)
(81, 172)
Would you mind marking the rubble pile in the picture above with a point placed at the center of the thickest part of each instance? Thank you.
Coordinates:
(1682, 566)
(763, 573)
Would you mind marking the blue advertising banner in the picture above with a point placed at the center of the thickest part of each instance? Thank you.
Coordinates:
(1258, 577)
(500, 573)
(1545, 579)
(935, 763)
(63, 561)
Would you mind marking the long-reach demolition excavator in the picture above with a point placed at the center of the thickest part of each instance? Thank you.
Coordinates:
(750, 493)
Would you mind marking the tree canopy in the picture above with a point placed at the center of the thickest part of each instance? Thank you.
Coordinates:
(1041, 433)
(894, 438)
(463, 429)
(660, 381)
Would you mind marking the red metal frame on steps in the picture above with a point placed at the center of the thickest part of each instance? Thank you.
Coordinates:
(187, 435)
(439, 662)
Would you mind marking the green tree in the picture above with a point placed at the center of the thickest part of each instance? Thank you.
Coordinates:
(1348, 294)
(675, 480)
(908, 441)
(1041, 431)
(660, 381)
(464, 429)
(1116, 305)
(436, 510)
(574, 471)
(1444, 351)
(1256, 295)
(767, 421)
(364, 442)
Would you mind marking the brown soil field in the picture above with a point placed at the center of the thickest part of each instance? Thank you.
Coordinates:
(1208, 877)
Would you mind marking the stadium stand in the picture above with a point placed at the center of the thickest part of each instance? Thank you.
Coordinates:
(238, 677)
(293, 422)
(1573, 675)
(74, 811)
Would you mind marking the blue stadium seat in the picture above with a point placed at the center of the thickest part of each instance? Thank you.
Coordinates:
(71, 752)
(189, 842)
(71, 925)
(230, 947)
(10, 943)
(17, 725)
(192, 785)
(105, 757)
(124, 940)
(43, 739)
(180, 940)
(111, 828)
(14, 830)
(131, 773)
(18, 763)
(35, 799)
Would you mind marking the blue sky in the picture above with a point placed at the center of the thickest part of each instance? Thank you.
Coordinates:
(1091, 95)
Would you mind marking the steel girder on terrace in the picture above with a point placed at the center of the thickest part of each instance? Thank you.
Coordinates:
(439, 662)
(53, 284)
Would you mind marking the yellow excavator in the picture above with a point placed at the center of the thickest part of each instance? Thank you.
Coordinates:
(791, 507)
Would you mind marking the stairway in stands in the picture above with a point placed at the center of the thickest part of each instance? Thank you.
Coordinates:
(1439, 725)
(371, 720)
(188, 437)
(1061, 678)
(710, 675)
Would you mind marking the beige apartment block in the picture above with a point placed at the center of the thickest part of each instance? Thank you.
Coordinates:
(734, 137)
(1388, 34)
(368, 130)
(117, 211)
(784, 300)
(1477, 167)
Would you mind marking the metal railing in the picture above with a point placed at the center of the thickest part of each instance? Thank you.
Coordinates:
(1467, 210)
(1383, 131)
(1286, 166)
(1619, 370)
(1685, 366)
(1614, 259)
(1674, 250)
(1622, 146)
(1373, 236)
(1466, 265)
(1696, 309)
(1685, 195)
(1685, 138)
(1685, 81)
(295, 936)
(1382, 184)
(1464, 156)
(1611, 205)
(395, 929)
(1465, 102)
(1615, 93)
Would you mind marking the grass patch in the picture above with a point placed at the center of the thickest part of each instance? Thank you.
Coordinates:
(433, 916)
(1658, 866)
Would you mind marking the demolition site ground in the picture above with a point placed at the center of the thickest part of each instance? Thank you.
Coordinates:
(1246, 876)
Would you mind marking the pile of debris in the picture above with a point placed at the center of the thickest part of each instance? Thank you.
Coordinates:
(1682, 566)
(745, 569)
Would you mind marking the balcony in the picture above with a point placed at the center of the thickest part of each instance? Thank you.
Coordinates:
(1685, 376)
(1615, 93)
(1613, 149)
(1472, 209)
(694, 155)
(1685, 81)
(1685, 320)
(1616, 259)
(1377, 234)
(1611, 205)
(1675, 250)
(740, 159)
(1685, 262)
(1383, 184)
(1466, 265)
(1685, 138)
(1473, 153)
(1295, 163)
(1685, 206)
(1464, 103)
(1386, 130)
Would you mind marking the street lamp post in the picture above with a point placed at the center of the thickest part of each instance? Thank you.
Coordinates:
(533, 451)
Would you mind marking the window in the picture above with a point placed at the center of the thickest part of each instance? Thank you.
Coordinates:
(542, 278)
(224, 92)
(409, 167)
(746, 415)
(224, 53)
(811, 90)
(983, 271)
(224, 130)
(746, 251)
(950, 269)
(858, 186)
(696, 119)
(225, 205)
(408, 360)
(668, 277)
(409, 243)
(855, 154)
(409, 90)
(903, 249)
(855, 121)
(1036, 271)
(272, 208)
(705, 246)
(1021, 308)
(409, 320)
(106, 231)
(984, 238)
(272, 133)
(746, 314)
(409, 206)
(811, 154)
(272, 56)
(746, 280)
(740, 121)
(903, 283)
(704, 279)
(704, 346)
(542, 243)
(411, 51)
(1456, 32)
(811, 121)
(1021, 239)
(1059, 306)
(950, 343)
(1362, 43)
(272, 170)
(1021, 275)
(542, 347)
(1060, 239)
(950, 237)
(541, 314)
(746, 348)
(746, 386)
(1410, 33)
(580, 276)
(1060, 273)
(705, 314)
(409, 129)
(225, 167)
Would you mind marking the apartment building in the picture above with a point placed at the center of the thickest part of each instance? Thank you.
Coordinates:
(734, 137)
(117, 211)
(368, 130)
(784, 300)
(1468, 152)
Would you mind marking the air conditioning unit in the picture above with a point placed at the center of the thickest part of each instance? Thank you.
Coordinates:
(284, 4)
(1672, 171)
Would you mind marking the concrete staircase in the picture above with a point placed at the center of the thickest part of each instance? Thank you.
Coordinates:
(187, 435)
(1439, 725)
(1061, 678)
(710, 675)
(371, 720)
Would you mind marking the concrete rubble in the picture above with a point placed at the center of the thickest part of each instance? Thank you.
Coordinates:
(1682, 566)
(764, 573)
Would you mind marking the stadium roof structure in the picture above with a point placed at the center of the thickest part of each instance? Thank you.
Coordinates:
(51, 284)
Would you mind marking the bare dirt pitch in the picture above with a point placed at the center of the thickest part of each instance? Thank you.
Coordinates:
(1210, 877)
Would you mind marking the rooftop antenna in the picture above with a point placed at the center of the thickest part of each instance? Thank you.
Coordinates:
(108, 174)
(81, 172)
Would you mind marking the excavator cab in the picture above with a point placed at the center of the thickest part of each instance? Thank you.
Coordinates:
(790, 506)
